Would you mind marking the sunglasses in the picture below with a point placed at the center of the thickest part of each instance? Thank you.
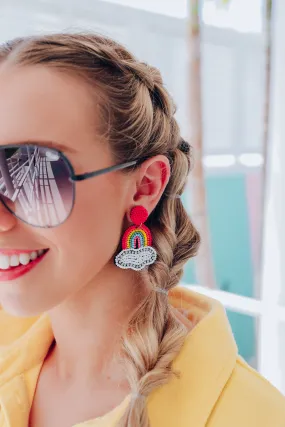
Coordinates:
(37, 184)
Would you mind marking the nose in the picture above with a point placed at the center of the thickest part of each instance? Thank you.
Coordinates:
(7, 219)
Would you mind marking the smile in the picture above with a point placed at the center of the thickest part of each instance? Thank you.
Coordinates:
(16, 263)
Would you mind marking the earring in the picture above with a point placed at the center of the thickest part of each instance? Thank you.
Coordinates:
(137, 251)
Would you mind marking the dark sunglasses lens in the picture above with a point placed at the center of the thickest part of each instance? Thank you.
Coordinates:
(35, 184)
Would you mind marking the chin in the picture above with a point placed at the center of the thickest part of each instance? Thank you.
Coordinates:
(22, 307)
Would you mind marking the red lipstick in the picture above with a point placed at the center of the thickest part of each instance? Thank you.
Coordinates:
(13, 273)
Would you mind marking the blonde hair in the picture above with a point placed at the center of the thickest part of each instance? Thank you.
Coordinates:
(140, 123)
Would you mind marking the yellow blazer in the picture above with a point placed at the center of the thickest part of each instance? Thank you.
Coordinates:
(216, 388)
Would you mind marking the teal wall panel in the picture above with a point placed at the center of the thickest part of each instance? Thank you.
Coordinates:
(230, 234)
(230, 239)
(243, 327)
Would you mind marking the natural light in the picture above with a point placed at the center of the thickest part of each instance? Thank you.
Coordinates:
(240, 15)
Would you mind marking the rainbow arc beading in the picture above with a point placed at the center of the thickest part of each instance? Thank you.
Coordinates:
(136, 237)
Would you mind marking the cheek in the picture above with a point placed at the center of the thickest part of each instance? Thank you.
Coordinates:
(79, 249)
(89, 238)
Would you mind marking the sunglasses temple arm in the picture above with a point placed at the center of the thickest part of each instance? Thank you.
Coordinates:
(88, 175)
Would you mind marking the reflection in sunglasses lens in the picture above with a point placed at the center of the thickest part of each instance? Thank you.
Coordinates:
(35, 184)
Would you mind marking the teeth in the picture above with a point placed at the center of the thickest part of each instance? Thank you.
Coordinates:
(4, 262)
(7, 261)
(24, 259)
(14, 260)
(33, 255)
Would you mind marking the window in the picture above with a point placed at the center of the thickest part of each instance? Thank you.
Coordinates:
(239, 15)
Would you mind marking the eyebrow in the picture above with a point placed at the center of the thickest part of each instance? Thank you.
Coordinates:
(51, 144)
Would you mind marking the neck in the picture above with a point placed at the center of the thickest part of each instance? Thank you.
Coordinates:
(89, 325)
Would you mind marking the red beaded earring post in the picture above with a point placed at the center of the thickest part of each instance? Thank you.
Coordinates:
(137, 251)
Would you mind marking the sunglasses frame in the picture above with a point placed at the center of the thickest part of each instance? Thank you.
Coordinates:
(73, 177)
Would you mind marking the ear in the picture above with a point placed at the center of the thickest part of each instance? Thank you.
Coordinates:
(152, 178)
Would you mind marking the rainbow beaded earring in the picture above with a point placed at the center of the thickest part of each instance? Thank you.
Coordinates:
(137, 251)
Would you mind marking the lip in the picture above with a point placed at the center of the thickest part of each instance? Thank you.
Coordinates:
(16, 272)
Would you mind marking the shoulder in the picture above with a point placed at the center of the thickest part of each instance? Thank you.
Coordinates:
(248, 399)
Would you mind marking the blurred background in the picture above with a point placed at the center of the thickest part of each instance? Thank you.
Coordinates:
(223, 61)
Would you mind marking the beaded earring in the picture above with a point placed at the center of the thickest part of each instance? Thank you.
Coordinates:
(137, 251)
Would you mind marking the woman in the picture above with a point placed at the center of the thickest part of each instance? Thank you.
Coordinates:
(117, 344)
